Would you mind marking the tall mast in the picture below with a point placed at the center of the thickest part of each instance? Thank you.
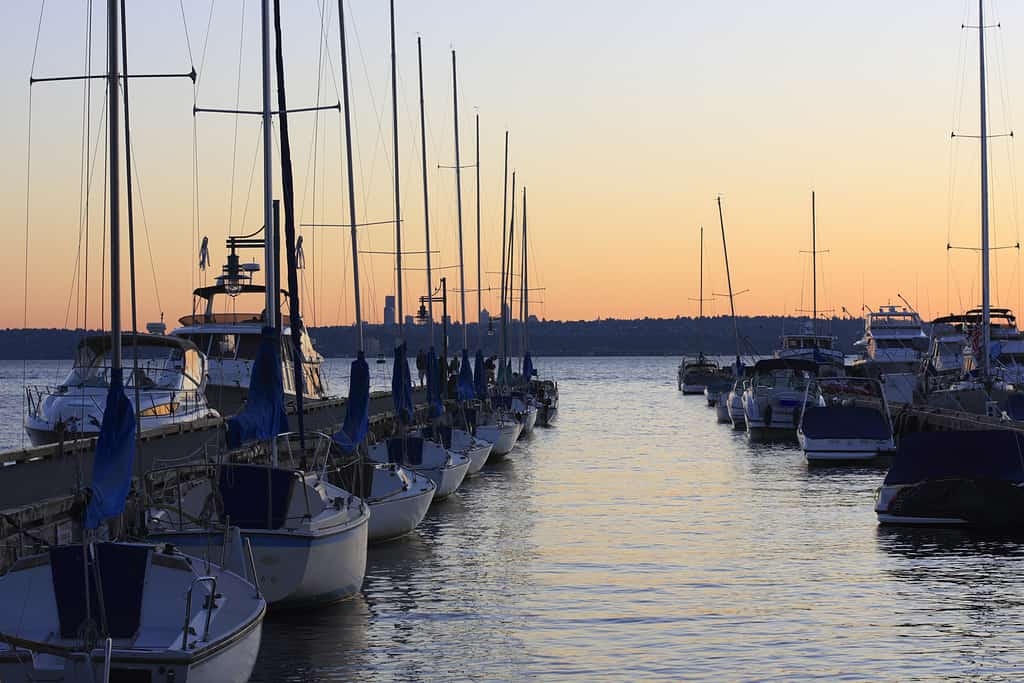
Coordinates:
(426, 200)
(351, 179)
(814, 268)
(479, 289)
(458, 205)
(398, 200)
(700, 298)
(504, 223)
(511, 264)
(526, 286)
(270, 317)
(985, 312)
(113, 119)
(728, 280)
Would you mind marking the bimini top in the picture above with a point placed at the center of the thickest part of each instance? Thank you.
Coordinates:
(928, 456)
(798, 364)
(100, 344)
(214, 290)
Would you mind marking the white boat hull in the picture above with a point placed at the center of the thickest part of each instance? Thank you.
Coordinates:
(394, 516)
(502, 436)
(722, 412)
(840, 450)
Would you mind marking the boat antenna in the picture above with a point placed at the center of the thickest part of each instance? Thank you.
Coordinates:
(901, 298)
(351, 179)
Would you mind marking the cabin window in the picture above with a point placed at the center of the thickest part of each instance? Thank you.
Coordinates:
(223, 346)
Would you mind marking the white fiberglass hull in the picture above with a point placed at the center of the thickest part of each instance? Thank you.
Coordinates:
(502, 436)
(844, 450)
(449, 478)
(397, 515)
(478, 455)
(529, 421)
(722, 412)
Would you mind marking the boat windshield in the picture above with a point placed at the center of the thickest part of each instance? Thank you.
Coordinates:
(158, 368)
(782, 378)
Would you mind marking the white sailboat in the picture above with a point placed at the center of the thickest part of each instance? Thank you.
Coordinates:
(101, 610)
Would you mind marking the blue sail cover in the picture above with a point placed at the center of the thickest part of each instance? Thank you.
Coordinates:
(434, 382)
(480, 375)
(115, 455)
(264, 417)
(401, 385)
(465, 384)
(929, 456)
(528, 370)
(357, 408)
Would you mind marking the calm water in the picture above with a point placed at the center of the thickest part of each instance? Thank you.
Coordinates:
(638, 540)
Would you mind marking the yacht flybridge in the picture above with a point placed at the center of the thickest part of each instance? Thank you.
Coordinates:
(165, 382)
(893, 347)
(809, 346)
(1006, 345)
(230, 339)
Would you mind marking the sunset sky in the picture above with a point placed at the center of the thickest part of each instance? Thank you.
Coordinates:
(626, 120)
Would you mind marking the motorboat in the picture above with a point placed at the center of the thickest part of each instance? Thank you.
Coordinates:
(892, 351)
(151, 613)
(773, 399)
(695, 374)
(734, 403)
(308, 536)
(431, 460)
(460, 441)
(947, 346)
(955, 478)
(845, 419)
(230, 338)
(1007, 345)
(545, 393)
(810, 346)
(165, 381)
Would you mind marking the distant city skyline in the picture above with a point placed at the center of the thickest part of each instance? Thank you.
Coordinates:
(623, 126)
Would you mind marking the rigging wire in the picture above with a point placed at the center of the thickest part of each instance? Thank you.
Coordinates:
(234, 136)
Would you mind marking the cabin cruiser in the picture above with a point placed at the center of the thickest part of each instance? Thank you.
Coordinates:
(165, 382)
(696, 373)
(893, 349)
(845, 419)
(308, 535)
(426, 458)
(734, 402)
(152, 613)
(230, 338)
(955, 478)
(1007, 345)
(947, 346)
(810, 346)
(774, 397)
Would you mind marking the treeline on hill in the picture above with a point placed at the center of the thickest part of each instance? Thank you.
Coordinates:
(607, 337)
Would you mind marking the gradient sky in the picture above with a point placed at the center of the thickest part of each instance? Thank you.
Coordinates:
(626, 120)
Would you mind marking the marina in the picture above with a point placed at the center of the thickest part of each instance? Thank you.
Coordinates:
(293, 482)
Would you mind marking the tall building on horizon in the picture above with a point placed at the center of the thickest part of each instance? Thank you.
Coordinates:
(389, 311)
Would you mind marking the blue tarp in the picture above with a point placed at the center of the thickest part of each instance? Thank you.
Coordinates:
(357, 408)
(401, 385)
(434, 384)
(929, 456)
(264, 417)
(465, 383)
(528, 370)
(115, 455)
(480, 375)
(845, 422)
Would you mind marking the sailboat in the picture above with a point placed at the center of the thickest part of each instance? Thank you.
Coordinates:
(309, 535)
(695, 374)
(109, 610)
(398, 497)
(962, 477)
(427, 458)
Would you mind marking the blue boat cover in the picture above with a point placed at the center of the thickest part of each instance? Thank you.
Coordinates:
(479, 375)
(1015, 406)
(927, 456)
(255, 496)
(439, 434)
(465, 385)
(264, 417)
(528, 371)
(357, 408)
(115, 455)
(122, 576)
(845, 422)
(405, 450)
(434, 383)
(401, 385)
